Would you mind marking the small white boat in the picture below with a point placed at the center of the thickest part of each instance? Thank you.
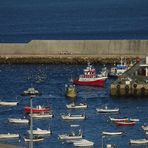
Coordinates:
(7, 136)
(110, 146)
(18, 121)
(42, 115)
(118, 119)
(73, 117)
(83, 143)
(74, 125)
(139, 141)
(135, 120)
(71, 136)
(145, 128)
(77, 106)
(10, 103)
(40, 132)
(34, 139)
(30, 91)
(112, 133)
(107, 110)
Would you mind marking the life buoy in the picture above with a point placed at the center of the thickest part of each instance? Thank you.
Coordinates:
(118, 86)
(126, 87)
(135, 85)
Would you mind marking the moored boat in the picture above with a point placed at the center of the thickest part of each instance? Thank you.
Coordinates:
(71, 136)
(73, 117)
(18, 120)
(9, 136)
(83, 143)
(70, 91)
(112, 133)
(134, 119)
(8, 103)
(77, 106)
(37, 109)
(40, 132)
(42, 115)
(125, 123)
(91, 78)
(37, 139)
(106, 109)
(110, 146)
(145, 127)
(118, 119)
(119, 69)
(139, 141)
(31, 91)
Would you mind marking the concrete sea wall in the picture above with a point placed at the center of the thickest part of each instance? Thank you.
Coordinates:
(70, 49)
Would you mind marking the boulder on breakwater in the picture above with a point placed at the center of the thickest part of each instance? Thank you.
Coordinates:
(62, 59)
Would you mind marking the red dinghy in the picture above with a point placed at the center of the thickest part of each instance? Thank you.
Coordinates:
(91, 78)
(37, 109)
(125, 123)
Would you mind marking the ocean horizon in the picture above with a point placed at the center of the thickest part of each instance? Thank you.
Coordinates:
(23, 21)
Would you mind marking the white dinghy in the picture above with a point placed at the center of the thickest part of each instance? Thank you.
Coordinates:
(118, 119)
(18, 120)
(73, 117)
(145, 128)
(134, 119)
(106, 109)
(8, 103)
(40, 132)
(83, 143)
(71, 136)
(77, 106)
(34, 139)
(139, 141)
(112, 133)
(9, 136)
(42, 115)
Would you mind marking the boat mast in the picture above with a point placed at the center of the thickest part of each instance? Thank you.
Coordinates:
(31, 92)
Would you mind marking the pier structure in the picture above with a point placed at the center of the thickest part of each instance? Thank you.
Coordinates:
(72, 51)
(134, 82)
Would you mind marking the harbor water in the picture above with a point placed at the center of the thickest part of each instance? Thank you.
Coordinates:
(50, 80)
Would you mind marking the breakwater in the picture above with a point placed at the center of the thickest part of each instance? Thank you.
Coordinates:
(72, 51)
(55, 59)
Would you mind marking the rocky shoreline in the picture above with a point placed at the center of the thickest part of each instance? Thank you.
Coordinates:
(64, 59)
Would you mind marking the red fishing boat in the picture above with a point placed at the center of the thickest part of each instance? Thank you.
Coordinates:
(125, 123)
(37, 109)
(91, 78)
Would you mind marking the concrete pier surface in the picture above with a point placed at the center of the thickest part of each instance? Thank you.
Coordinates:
(133, 82)
(71, 51)
(76, 47)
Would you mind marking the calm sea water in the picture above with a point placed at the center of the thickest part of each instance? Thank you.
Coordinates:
(51, 80)
(22, 21)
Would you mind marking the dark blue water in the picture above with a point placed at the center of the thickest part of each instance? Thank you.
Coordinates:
(22, 21)
(51, 80)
